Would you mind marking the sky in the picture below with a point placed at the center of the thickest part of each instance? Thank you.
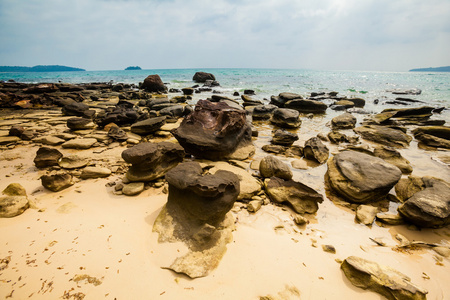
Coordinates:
(379, 35)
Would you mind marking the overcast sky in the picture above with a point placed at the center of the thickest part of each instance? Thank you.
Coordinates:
(385, 35)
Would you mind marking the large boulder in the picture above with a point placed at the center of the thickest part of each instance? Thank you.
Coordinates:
(360, 177)
(306, 106)
(14, 202)
(214, 131)
(301, 197)
(271, 166)
(150, 161)
(344, 121)
(47, 157)
(383, 280)
(434, 136)
(203, 77)
(286, 118)
(315, 150)
(154, 84)
(384, 135)
(429, 207)
(148, 126)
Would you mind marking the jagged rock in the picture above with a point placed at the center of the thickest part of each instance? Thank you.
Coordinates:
(154, 84)
(263, 112)
(384, 280)
(80, 143)
(394, 157)
(133, 188)
(302, 198)
(15, 201)
(148, 126)
(315, 150)
(271, 166)
(384, 135)
(73, 162)
(344, 121)
(95, 172)
(47, 157)
(214, 131)
(306, 106)
(203, 76)
(80, 123)
(360, 177)
(365, 214)
(196, 214)
(406, 187)
(286, 118)
(284, 138)
(152, 160)
(429, 207)
(434, 136)
(57, 182)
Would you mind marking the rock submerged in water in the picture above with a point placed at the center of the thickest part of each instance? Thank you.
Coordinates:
(360, 177)
(384, 280)
(196, 213)
(214, 131)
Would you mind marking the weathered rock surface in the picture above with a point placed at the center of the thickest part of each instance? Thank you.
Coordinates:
(365, 214)
(360, 177)
(284, 138)
(154, 84)
(57, 182)
(196, 214)
(394, 157)
(344, 121)
(76, 109)
(95, 172)
(384, 135)
(271, 166)
(406, 187)
(80, 123)
(203, 76)
(73, 162)
(133, 188)
(302, 198)
(152, 160)
(148, 126)
(286, 118)
(384, 280)
(49, 140)
(80, 143)
(214, 131)
(14, 202)
(47, 157)
(306, 106)
(434, 136)
(429, 207)
(315, 150)
(263, 112)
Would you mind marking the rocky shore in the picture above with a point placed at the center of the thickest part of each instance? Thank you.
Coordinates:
(105, 186)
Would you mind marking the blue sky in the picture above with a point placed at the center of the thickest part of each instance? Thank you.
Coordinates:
(382, 35)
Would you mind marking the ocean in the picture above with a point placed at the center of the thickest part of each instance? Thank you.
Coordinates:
(369, 85)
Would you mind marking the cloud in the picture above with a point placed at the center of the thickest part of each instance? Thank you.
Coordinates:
(325, 34)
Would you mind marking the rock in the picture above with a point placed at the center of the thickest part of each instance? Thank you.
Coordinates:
(394, 157)
(289, 96)
(302, 198)
(57, 182)
(271, 166)
(116, 133)
(14, 189)
(336, 137)
(214, 131)
(365, 214)
(344, 121)
(28, 135)
(315, 150)
(16, 130)
(95, 172)
(381, 279)
(306, 106)
(15, 201)
(286, 118)
(80, 143)
(345, 103)
(263, 112)
(300, 164)
(329, 249)
(360, 177)
(154, 84)
(414, 91)
(284, 138)
(254, 206)
(175, 111)
(203, 76)
(358, 102)
(249, 185)
(80, 123)
(5, 140)
(408, 112)
(429, 207)
(133, 188)
(406, 187)
(152, 160)
(73, 162)
(49, 140)
(277, 149)
(390, 219)
(384, 135)
(75, 109)
(47, 157)
(148, 126)
(434, 136)
(188, 91)
(277, 101)
(300, 220)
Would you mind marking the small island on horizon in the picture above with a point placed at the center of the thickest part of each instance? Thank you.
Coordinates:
(39, 68)
(438, 69)
(133, 68)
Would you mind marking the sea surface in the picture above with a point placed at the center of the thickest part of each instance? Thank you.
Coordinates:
(369, 85)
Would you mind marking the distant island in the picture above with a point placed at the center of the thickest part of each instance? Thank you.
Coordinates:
(133, 68)
(39, 68)
(439, 69)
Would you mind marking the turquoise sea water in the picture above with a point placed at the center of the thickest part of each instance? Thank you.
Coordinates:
(266, 82)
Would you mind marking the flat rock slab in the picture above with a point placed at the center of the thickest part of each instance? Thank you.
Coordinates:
(95, 172)
(57, 182)
(49, 140)
(384, 135)
(73, 162)
(384, 280)
(134, 188)
(80, 143)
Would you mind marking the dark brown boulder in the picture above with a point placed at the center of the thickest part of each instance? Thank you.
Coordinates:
(203, 76)
(154, 84)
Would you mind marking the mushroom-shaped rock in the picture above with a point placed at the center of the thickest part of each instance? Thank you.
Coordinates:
(360, 177)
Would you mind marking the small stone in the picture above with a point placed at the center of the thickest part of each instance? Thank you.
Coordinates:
(300, 220)
(329, 249)
(133, 188)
